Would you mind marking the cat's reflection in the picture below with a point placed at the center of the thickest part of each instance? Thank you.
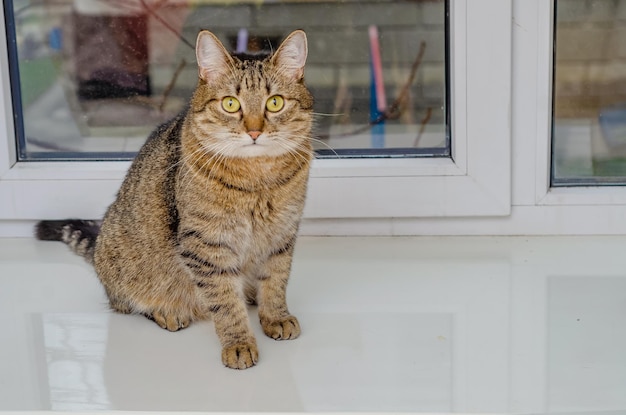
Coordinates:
(148, 368)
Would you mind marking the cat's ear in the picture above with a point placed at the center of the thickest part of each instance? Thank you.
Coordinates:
(291, 55)
(213, 59)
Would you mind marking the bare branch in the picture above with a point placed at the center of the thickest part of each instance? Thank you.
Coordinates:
(429, 113)
(395, 109)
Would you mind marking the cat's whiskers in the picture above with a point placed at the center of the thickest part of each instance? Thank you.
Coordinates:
(302, 153)
(215, 159)
(298, 156)
(218, 159)
(182, 158)
(186, 160)
(187, 175)
(317, 140)
(191, 160)
(219, 153)
(308, 137)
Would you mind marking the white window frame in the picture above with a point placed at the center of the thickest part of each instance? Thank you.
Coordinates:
(538, 208)
(468, 184)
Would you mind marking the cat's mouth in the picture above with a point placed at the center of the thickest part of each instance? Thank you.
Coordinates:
(263, 146)
(256, 146)
(252, 138)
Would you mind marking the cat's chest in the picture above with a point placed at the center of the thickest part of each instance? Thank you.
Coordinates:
(272, 225)
(255, 221)
(263, 218)
(265, 210)
(271, 216)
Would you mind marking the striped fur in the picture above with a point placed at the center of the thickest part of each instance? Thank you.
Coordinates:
(206, 218)
(79, 235)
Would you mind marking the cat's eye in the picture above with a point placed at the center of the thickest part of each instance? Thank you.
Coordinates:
(231, 104)
(275, 103)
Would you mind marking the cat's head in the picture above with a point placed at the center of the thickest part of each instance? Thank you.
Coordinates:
(252, 106)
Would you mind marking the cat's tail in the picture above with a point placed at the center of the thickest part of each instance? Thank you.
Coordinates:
(79, 235)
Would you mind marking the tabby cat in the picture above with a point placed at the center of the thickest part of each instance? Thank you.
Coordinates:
(207, 216)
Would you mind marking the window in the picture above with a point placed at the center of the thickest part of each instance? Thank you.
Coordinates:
(92, 78)
(589, 137)
(473, 180)
(572, 206)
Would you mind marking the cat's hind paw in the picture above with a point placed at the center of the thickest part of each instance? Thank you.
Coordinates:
(286, 328)
(240, 356)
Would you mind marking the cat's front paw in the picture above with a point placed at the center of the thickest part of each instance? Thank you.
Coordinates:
(286, 328)
(169, 321)
(240, 356)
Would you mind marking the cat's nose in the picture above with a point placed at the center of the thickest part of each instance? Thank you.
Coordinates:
(254, 134)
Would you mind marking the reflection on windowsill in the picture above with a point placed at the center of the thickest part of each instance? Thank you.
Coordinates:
(489, 325)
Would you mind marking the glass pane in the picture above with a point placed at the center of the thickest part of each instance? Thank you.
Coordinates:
(589, 123)
(92, 78)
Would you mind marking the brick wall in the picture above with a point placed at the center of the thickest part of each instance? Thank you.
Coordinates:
(590, 71)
